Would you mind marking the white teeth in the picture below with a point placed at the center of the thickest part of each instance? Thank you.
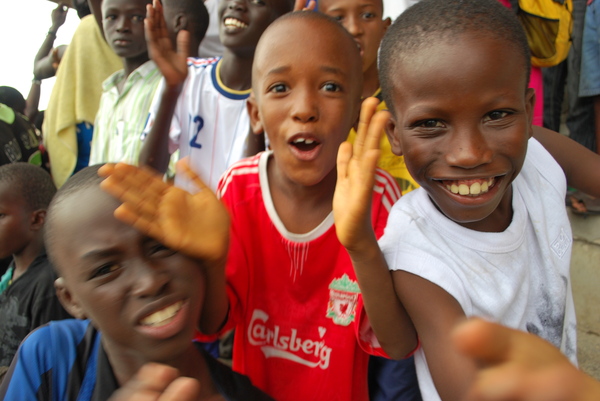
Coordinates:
(234, 22)
(162, 316)
(304, 140)
(475, 189)
(309, 141)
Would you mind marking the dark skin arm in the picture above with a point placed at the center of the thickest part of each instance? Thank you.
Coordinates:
(356, 166)
(173, 66)
(580, 165)
(96, 9)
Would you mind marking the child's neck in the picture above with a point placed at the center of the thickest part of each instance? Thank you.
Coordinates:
(129, 66)
(301, 208)
(25, 258)
(236, 70)
(370, 81)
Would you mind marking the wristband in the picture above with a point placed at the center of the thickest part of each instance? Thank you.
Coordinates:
(51, 32)
(36, 81)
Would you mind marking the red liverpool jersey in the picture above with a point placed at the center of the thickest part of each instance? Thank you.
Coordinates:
(294, 298)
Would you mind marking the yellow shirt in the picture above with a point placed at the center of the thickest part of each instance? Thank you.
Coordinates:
(388, 161)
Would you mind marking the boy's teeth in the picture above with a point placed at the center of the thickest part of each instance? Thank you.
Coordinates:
(162, 316)
(304, 140)
(235, 23)
(477, 188)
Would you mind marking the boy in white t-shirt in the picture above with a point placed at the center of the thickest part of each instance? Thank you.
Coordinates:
(487, 234)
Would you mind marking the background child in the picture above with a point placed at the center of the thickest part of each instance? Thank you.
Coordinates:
(127, 93)
(488, 233)
(27, 295)
(200, 108)
(142, 300)
(364, 20)
(294, 298)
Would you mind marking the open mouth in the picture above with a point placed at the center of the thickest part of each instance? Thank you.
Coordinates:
(234, 23)
(163, 316)
(470, 187)
(304, 144)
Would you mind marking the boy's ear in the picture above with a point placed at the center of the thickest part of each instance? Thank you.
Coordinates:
(391, 130)
(67, 299)
(386, 23)
(181, 22)
(529, 107)
(255, 121)
(38, 218)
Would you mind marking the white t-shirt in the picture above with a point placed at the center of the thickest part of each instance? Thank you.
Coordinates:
(210, 123)
(519, 278)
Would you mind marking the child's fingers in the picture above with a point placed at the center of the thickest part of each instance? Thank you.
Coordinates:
(376, 127)
(182, 389)
(367, 109)
(343, 158)
(484, 341)
(183, 44)
(183, 167)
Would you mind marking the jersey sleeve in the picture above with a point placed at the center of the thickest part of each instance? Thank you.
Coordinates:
(386, 192)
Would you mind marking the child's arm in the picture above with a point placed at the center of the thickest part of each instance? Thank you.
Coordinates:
(352, 214)
(519, 366)
(581, 165)
(196, 225)
(173, 66)
(156, 382)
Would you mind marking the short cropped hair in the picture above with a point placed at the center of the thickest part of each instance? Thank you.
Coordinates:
(12, 98)
(83, 179)
(195, 11)
(430, 20)
(32, 183)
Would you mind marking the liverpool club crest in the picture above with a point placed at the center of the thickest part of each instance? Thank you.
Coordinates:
(343, 297)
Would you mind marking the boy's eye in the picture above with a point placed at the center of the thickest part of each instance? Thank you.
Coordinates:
(138, 18)
(338, 18)
(105, 269)
(278, 88)
(496, 115)
(368, 15)
(331, 87)
(430, 124)
(259, 2)
(158, 250)
(110, 17)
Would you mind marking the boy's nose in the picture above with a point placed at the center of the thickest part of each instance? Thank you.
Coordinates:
(123, 24)
(305, 109)
(468, 149)
(149, 281)
(239, 5)
(353, 25)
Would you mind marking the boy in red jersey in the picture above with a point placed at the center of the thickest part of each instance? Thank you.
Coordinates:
(293, 295)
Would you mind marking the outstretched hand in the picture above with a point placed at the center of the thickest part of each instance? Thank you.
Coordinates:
(197, 225)
(156, 382)
(518, 366)
(356, 164)
(171, 63)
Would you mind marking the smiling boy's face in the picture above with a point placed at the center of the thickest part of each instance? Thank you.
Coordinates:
(143, 297)
(123, 24)
(242, 22)
(307, 92)
(463, 125)
(364, 20)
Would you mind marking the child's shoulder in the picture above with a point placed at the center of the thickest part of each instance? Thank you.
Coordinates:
(243, 173)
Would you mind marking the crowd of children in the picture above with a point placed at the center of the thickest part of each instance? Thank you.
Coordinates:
(306, 249)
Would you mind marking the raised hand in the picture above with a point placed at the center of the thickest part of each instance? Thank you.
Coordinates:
(197, 225)
(172, 63)
(156, 382)
(356, 177)
(58, 16)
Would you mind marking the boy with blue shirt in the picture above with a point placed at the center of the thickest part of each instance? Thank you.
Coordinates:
(140, 301)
